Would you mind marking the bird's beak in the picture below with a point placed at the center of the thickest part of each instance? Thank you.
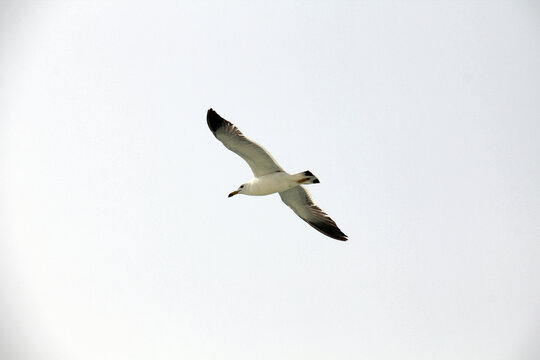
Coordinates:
(233, 193)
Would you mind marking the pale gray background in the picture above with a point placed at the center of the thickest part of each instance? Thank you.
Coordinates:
(422, 121)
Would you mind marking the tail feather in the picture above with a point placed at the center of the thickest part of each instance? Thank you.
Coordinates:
(306, 177)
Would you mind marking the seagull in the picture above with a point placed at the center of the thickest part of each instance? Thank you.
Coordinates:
(270, 178)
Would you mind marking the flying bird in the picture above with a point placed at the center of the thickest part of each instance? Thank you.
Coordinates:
(270, 178)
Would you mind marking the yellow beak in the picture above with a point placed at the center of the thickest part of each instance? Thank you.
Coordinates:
(233, 193)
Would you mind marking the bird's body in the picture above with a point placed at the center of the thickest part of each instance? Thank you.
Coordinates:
(277, 182)
(269, 184)
(270, 178)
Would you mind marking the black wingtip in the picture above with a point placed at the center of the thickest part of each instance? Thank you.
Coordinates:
(214, 120)
(329, 229)
(341, 237)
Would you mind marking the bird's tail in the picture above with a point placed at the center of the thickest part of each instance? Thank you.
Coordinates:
(306, 177)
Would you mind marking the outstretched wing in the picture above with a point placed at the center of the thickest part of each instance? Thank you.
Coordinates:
(299, 200)
(258, 159)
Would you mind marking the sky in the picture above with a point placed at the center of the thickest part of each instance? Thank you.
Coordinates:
(421, 120)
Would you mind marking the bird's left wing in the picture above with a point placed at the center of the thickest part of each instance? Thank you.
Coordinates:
(258, 159)
(299, 200)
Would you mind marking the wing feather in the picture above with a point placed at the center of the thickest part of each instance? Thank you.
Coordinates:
(300, 201)
(258, 159)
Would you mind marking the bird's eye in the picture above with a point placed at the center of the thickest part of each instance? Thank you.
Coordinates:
(241, 187)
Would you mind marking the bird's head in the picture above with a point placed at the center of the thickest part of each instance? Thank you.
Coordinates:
(240, 190)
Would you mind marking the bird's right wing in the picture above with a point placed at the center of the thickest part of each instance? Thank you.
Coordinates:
(299, 200)
(258, 159)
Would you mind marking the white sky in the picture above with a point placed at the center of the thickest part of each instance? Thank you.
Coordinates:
(118, 241)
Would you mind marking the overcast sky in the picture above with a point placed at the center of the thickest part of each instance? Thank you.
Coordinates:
(118, 241)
